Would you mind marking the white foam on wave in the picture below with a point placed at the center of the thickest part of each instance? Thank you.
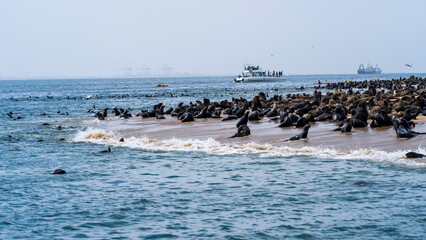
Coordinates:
(212, 146)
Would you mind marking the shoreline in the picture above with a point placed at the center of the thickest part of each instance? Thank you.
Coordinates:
(265, 131)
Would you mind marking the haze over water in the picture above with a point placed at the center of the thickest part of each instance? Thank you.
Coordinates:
(197, 186)
(186, 189)
(99, 38)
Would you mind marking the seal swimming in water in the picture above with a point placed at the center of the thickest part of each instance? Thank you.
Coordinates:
(59, 171)
(361, 183)
(243, 120)
(302, 135)
(106, 151)
(414, 155)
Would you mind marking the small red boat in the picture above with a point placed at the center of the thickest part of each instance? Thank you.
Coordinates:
(162, 85)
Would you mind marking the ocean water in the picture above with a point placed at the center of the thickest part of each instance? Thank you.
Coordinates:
(187, 189)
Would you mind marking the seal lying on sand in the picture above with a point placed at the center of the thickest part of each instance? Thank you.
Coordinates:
(243, 131)
(230, 117)
(345, 127)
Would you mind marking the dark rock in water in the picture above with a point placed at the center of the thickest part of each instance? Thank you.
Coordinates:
(59, 171)
(45, 124)
(121, 140)
(414, 155)
(39, 140)
(59, 127)
(361, 183)
(62, 139)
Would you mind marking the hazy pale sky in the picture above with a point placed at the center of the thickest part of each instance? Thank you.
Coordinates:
(98, 37)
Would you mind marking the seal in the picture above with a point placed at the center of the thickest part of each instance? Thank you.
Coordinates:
(203, 113)
(414, 155)
(168, 111)
(106, 151)
(254, 116)
(378, 120)
(243, 131)
(361, 183)
(286, 122)
(241, 111)
(230, 117)
(302, 135)
(301, 122)
(125, 114)
(116, 111)
(187, 117)
(99, 116)
(345, 127)
(402, 132)
(59, 171)
(158, 115)
(243, 120)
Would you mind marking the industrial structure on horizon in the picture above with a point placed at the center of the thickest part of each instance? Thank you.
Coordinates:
(146, 71)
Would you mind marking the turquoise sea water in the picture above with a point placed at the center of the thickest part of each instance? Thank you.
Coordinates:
(156, 194)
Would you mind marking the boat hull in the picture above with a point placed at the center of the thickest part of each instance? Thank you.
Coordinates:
(255, 79)
(360, 71)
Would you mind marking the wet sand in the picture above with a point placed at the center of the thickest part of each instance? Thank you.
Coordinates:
(266, 131)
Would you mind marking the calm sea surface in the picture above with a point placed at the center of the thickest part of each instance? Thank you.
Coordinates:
(154, 194)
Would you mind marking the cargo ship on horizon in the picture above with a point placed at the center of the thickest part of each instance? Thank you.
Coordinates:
(369, 69)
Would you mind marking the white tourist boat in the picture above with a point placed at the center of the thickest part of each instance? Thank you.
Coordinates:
(256, 73)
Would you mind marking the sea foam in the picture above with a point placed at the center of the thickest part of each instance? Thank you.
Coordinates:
(211, 146)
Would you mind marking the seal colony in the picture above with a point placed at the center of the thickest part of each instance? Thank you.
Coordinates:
(375, 104)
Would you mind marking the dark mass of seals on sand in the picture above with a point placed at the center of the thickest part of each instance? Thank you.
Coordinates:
(375, 103)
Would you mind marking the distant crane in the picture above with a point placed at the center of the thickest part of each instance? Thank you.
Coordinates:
(127, 71)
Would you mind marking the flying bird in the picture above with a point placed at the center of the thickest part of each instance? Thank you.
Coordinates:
(409, 65)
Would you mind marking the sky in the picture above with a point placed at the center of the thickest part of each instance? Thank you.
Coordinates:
(99, 37)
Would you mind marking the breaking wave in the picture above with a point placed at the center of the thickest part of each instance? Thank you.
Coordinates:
(212, 146)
